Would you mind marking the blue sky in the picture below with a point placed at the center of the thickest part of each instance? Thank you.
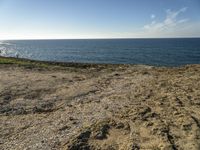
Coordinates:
(57, 19)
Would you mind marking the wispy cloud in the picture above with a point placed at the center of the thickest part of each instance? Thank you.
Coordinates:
(171, 21)
(153, 16)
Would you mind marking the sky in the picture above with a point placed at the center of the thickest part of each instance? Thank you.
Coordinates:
(77, 19)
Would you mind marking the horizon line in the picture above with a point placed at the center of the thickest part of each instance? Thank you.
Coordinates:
(101, 38)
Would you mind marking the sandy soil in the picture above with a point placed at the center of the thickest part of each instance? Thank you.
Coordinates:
(100, 107)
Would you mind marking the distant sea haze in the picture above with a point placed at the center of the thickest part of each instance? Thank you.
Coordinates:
(157, 52)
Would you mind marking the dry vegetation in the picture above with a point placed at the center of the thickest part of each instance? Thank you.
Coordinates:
(82, 106)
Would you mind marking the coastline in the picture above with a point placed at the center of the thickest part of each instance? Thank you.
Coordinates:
(39, 63)
(51, 105)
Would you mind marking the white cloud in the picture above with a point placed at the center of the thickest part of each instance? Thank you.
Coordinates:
(153, 16)
(170, 21)
(173, 25)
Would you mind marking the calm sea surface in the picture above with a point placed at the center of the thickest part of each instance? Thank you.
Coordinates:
(159, 52)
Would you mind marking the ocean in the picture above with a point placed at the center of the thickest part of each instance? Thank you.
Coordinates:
(156, 52)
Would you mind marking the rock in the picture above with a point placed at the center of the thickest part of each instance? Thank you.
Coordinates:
(19, 111)
(81, 142)
(84, 135)
(120, 125)
(1, 141)
(7, 98)
(187, 127)
(116, 74)
(149, 124)
(43, 108)
(102, 133)
(135, 147)
(7, 110)
(176, 113)
(144, 111)
(71, 118)
(64, 128)
(70, 105)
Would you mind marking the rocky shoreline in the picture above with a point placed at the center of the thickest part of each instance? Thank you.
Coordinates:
(83, 106)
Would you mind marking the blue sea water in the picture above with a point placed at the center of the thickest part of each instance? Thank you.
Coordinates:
(157, 52)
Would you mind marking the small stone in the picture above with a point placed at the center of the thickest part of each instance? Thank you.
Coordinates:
(1, 141)
(69, 105)
(120, 125)
(187, 127)
(7, 97)
(84, 135)
(117, 74)
(71, 118)
(102, 134)
(74, 122)
(43, 108)
(106, 107)
(64, 128)
(176, 113)
(149, 124)
(135, 147)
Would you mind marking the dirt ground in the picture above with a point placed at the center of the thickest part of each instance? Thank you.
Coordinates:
(125, 107)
